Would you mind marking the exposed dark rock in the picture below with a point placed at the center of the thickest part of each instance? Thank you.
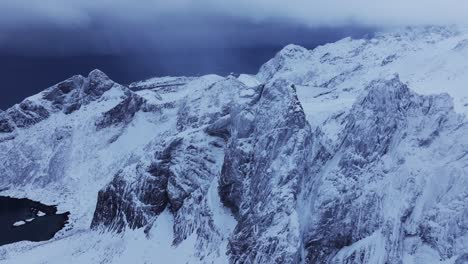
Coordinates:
(389, 59)
(97, 83)
(27, 113)
(58, 94)
(122, 113)
(136, 194)
(220, 128)
(71, 94)
(6, 125)
(125, 203)
(373, 122)
(342, 77)
(370, 129)
(250, 177)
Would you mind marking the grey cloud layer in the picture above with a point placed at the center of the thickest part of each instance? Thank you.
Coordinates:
(79, 13)
(373, 12)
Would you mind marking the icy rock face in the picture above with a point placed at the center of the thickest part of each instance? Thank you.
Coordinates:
(71, 94)
(6, 125)
(186, 167)
(69, 140)
(27, 113)
(370, 196)
(180, 173)
(266, 157)
(363, 201)
(354, 152)
(126, 203)
(122, 113)
(67, 96)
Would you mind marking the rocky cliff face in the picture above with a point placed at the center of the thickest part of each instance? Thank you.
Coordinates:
(367, 194)
(353, 152)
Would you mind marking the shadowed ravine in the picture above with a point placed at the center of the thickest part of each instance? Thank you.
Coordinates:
(25, 219)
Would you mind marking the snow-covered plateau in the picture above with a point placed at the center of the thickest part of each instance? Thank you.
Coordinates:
(353, 152)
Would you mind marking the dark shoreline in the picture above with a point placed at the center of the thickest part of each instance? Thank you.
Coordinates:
(27, 220)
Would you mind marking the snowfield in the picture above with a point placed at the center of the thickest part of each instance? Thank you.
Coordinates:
(353, 152)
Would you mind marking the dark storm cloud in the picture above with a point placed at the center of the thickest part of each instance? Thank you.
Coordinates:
(110, 26)
(50, 40)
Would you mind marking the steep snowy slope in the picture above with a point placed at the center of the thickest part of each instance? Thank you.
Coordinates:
(109, 139)
(354, 152)
(388, 181)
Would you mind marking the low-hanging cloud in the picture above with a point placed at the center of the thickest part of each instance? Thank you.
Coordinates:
(367, 12)
(83, 13)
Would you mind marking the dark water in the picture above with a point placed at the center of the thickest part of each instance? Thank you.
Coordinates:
(40, 222)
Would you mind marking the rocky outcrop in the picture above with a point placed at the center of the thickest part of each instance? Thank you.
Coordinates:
(266, 158)
(132, 198)
(186, 164)
(6, 126)
(121, 113)
(368, 134)
(67, 96)
(71, 94)
(353, 193)
(27, 113)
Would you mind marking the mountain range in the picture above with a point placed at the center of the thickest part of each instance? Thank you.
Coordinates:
(354, 152)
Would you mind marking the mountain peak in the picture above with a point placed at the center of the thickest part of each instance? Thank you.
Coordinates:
(96, 73)
(293, 51)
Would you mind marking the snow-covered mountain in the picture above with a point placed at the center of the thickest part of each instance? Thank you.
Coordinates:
(354, 152)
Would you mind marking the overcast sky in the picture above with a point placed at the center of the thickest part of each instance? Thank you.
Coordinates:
(112, 25)
(78, 13)
(49, 40)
